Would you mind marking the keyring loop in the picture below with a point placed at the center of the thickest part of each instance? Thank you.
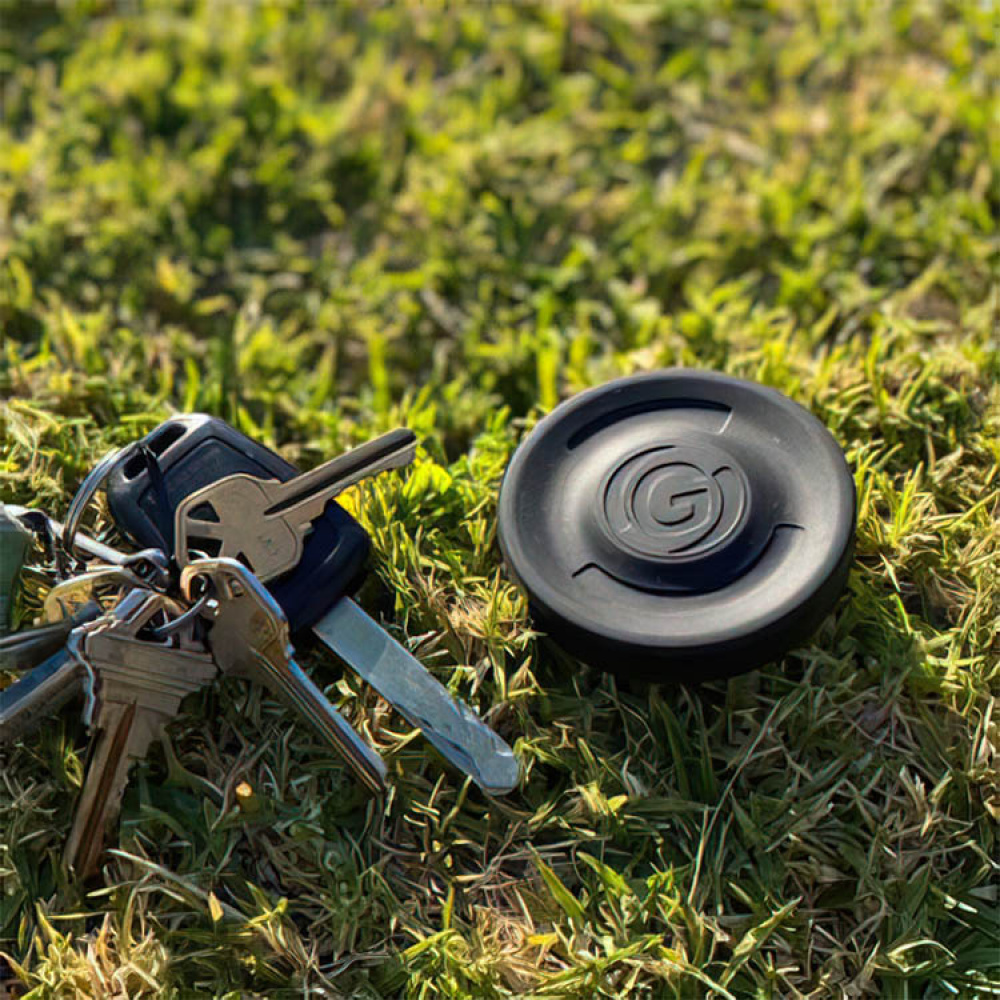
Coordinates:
(87, 491)
(164, 631)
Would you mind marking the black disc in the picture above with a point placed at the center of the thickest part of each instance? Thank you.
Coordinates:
(678, 525)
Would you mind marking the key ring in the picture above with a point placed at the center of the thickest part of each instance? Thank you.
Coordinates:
(87, 491)
(176, 624)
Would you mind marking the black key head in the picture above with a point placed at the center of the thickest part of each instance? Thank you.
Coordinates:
(190, 451)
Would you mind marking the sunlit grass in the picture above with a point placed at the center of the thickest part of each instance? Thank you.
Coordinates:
(319, 223)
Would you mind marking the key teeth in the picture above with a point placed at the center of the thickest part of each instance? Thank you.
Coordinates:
(103, 788)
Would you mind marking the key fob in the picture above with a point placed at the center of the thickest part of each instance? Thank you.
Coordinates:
(193, 450)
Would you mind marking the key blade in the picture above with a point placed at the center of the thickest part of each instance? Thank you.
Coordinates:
(288, 681)
(389, 451)
(27, 649)
(455, 731)
(39, 694)
(249, 637)
(103, 788)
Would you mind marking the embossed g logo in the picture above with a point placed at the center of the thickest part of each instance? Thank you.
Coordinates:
(674, 503)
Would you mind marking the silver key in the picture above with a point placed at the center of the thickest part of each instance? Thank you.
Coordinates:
(449, 725)
(266, 521)
(28, 648)
(140, 684)
(249, 637)
(49, 686)
(39, 694)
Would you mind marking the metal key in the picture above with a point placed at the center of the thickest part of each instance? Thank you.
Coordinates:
(43, 692)
(249, 637)
(149, 569)
(28, 648)
(55, 682)
(140, 682)
(448, 724)
(264, 521)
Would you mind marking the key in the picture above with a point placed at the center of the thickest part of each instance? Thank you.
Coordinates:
(248, 636)
(448, 724)
(39, 694)
(67, 596)
(195, 451)
(149, 569)
(140, 682)
(29, 647)
(264, 522)
(51, 685)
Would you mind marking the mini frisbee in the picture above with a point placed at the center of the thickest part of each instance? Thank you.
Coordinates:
(679, 525)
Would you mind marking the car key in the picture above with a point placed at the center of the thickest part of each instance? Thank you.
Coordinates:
(193, 451)
(141, 680)
(248, 636)
(264, 521)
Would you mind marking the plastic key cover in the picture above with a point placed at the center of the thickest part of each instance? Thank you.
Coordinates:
(678, 525)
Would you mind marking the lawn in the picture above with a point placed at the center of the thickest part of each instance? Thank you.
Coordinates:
(321, 222)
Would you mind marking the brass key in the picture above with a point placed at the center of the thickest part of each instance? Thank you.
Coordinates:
(263, 521)
(140, 682)
(148, 569)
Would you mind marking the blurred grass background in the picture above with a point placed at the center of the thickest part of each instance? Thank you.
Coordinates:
(319, 221)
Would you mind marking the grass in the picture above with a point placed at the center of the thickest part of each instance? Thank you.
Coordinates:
(319, 222)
